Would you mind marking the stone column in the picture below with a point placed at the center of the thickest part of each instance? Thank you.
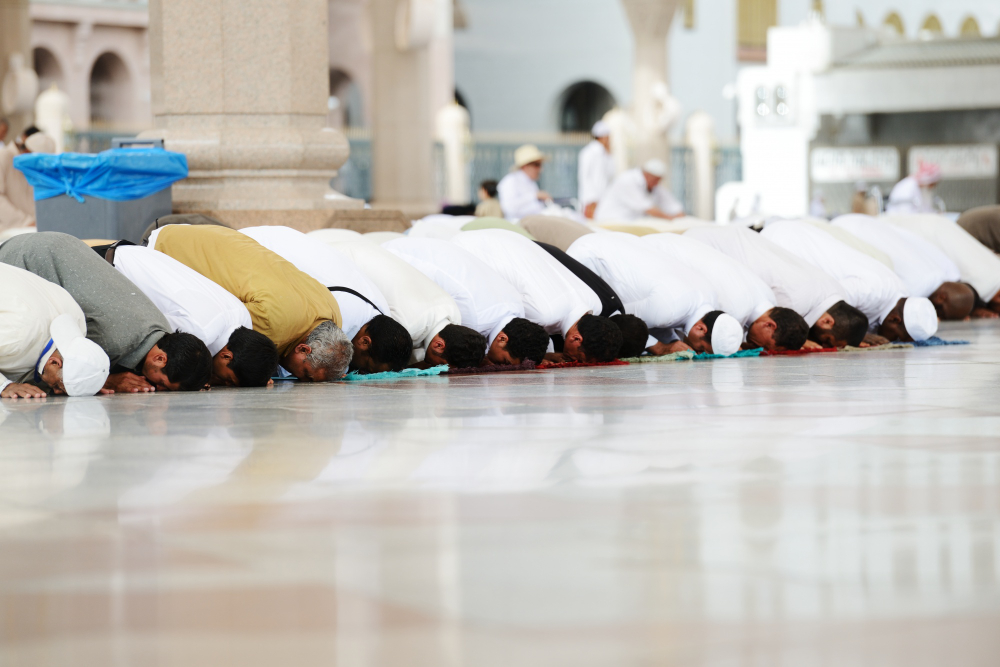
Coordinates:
(652, 107)
(402, 124)
(241, 87)
(15, 38)
(700, 135)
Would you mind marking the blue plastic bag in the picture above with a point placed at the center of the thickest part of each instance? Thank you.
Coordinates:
(120, 174)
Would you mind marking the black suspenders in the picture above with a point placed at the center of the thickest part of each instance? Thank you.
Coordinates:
(357, 294)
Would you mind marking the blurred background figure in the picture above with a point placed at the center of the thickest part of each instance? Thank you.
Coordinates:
(595, 169)
(489, 205)
(518, 190)
(817, 207)
(17, 198)
(915, 193)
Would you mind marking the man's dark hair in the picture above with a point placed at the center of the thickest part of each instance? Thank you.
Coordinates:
(463, 347)
(490, 187)
(635, 333)
(526, 340)
(709, 321)
(602, 339)
(849, 324)
(791, 330)
(255, 357)
(391, 342)
(30, 130)
(189, 362)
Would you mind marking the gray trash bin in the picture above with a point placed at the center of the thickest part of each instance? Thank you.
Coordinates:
(98, 218)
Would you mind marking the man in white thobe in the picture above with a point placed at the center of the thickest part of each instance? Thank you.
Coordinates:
(870, 286)
(488, 303)
(194, 304)
(595, 169)
(796, 284)
(924, 269)
(636, 194)
(378, 344)
(738, 291)
(674, 307)
(979, 266)
(915, 193)
(552, 296)
(417, 303)
(17, 197)
(29, 306)
(518, 191)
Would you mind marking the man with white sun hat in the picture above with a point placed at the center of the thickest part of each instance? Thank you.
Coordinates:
(637, 193)
(44, 340)
(518, 191)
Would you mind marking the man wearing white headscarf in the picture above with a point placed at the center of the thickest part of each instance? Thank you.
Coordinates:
(674, 307)
(915, 193)
(595, 169)
(924, 269)
(637, 193)
(871, 287)
(17, 197)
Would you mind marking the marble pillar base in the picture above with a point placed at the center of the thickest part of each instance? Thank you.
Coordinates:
(359, 220)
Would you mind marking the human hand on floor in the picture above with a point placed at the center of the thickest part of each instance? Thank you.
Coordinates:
(811, 345)
(17, 390)
(128, 383)
(553, 358)
(874, 340)
(660, 349)
(983, 314)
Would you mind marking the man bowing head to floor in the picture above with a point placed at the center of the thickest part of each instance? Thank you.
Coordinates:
(144, 352)
(297, 313)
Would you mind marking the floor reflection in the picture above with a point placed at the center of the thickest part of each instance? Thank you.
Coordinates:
(694, 513)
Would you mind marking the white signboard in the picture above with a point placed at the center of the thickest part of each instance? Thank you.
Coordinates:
(846, 165)
(957, 162)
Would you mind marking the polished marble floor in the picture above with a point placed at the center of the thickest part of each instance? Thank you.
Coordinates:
(824, 510)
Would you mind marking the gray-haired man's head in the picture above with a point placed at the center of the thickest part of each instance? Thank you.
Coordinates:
(322, 356)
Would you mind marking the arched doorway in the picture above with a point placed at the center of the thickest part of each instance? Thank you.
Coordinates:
(110, 92)
(47, 68)
(583, 104)
(345, 106)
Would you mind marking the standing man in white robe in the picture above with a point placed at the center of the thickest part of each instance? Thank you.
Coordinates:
(518, 191)
(871, 287)
(682, 314)
(924, 270)
(637, 193)
(915, 193)
(796, 284)
(553, 297)
(979, 266)
(488, 303)
(595, 169)
(738, 291)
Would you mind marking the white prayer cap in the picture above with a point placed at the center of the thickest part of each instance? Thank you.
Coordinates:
(860, 186)
(85, 365)
(920, 318)
(40, 142)
(601, 129)
(727, 335)
(655, 167)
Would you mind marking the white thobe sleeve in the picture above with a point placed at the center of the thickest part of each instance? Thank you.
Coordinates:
(518, 196)
(592, 174)
(666, 202)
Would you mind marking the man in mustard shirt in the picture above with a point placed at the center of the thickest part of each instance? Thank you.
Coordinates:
(288, 306)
